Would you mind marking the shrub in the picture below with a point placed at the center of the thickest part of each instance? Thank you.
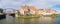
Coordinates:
(38, 15)
(54, 15)
(20, 15)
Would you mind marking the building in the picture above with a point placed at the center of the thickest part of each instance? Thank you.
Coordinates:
(11, 11)
(47, 11)
(25, 8)
(33, 10)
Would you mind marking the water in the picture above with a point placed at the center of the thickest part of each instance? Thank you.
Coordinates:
(41, 20)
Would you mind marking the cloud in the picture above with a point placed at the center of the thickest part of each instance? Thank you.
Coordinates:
(44, 3)
(10, 3)
(15, 4)
(37, 3)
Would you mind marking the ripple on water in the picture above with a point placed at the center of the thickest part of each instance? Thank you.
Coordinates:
(41, 20)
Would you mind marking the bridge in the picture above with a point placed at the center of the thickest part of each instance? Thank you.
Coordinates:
(4, 13)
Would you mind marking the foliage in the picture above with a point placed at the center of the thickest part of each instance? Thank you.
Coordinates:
(38, 15)
(20, 15)
(30, 15)
(54, 15)
(1, 10)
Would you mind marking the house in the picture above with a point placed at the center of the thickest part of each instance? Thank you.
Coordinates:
(26, 9)
(47, 11)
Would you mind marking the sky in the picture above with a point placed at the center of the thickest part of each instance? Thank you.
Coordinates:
(15, 4)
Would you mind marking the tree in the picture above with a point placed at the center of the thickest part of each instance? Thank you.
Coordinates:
(1, 10)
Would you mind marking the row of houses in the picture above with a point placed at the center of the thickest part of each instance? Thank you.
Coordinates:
(32, 10)
(26, 9)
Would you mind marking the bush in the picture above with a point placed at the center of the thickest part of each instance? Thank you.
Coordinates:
(38, 15)
(20, 15)
(54, 15)
(35, 15)
(31, 15)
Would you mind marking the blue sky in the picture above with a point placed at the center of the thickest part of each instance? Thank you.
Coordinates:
(15, 4)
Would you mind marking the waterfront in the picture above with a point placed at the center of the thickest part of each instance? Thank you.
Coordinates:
(41, 20)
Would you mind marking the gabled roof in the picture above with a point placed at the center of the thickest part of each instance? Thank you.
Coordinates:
(29, 7)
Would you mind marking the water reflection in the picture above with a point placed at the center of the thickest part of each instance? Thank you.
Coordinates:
(46, 20)
(57, 20)
(28, 21)
(41, 20)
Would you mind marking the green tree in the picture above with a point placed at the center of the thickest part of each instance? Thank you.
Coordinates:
(1, 10)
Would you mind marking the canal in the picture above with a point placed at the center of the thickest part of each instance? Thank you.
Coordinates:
(41, 20)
